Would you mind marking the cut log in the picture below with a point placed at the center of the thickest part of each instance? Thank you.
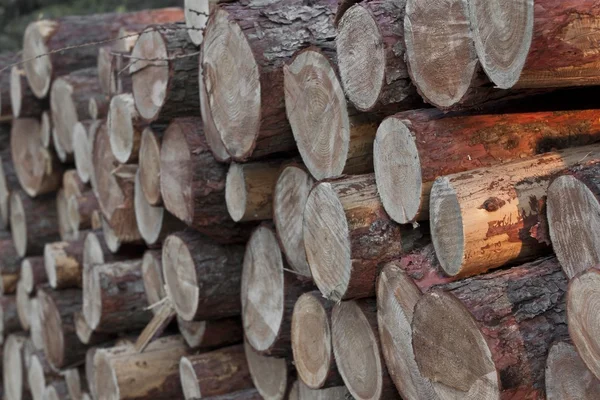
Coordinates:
(567, 377)
(150, 165)
(272, 377)
(165, 73)
(374, 76)
(35, 322)
(8, 283)
(65, 228)
(6, 60)
(64, 264)
(311, 342)
(333, 139)
(289, 199)
(80, 211)
(413, 148)
(62, 154)
(249, 190)
(215, 373)
(76, 383)
(482, 219)
(488, 337)
(8, 178)
(211, 334)
(23, 102)
(37, 168)
(358, 351)
(98, 107)
(196, 15)
(269, 294)
(125, 374)
(71, 184)
(343, 259)
(57, 313)
(125, 127)
(40, 374)
(113, 297)
(9, 318)
(87, 335)
(106, 73)
(33, 273)
(247, 102)
(46, 129)
(83, 137)
(23, 303)
(193, 267)
(13, 368)
(154, 223)
(96, 251)
(11, 260)
(57, 390)
(572, 209)
(30, 232)
(192, 182)
(152, 276)
(546, 45)
(45, 37)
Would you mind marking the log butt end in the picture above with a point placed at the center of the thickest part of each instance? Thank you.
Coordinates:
(37, 69)
(52, 329)
(64, 113)
(92, 251)
(567, 377)
(149, 167)
(269, 374)
(121, 130)
(82, 152)
(189, 380)
(236, 196)
(180, 277)
(26, 277)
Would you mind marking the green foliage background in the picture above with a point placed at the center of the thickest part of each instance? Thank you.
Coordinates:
(16, 14)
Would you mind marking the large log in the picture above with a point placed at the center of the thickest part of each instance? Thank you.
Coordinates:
(43, 39)
(211, 334)
(567, 377)
(13, 368)
(83, 137)
(9, 318)
(23, 102)
(125, 127)
(573, 218)
(347, 235)
(272, 377)
(165, 73)
(483, 219)
(247, 102)
(193, 267)
(149, 166)
(33, 273)
(64, 263)
(311, 342)
(488, 337)
(215, 373)
(267, 322)
(413, 148)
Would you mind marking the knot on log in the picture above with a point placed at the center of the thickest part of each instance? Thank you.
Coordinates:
(492, 204)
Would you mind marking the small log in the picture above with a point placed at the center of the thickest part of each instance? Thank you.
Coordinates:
(40, 374)
(57, 313)
(64, 264)
(98, 107)
(29, 231)
(249, 190)
(45, 37)
(482, 219)
(572, 209)
(65, 228)
(167, 86)
(192, 182)
(37, 168)
(215, 373)
(567, 377)
(76, 383)
(10, 261)
(87, 335)
(357, 350)
(267, 324)
(9, 316)
(80, 210)
(71, 184)
(343, 260)
(113, 297)
(302, 392)
(149, 166)
(83, 135)
(8, 283)
(247, 103)
(152, 276)
(13, 368)
(211, 334)
(413, 148)
(23, 303)
(96, 251)
(192, 266)
(125, 127)
(272, 376)
(289, 199)
(6, 60)
(196, 15)
(33, 273)
(311, 342)
(333, 139)
(35, 324)
(23, 102)
(489, 336)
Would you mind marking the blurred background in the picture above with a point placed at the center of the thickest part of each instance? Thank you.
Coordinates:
(16, 14)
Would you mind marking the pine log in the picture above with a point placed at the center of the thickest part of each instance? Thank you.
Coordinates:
(113, 297)
(13, 368)
(37, 168)
(192, 182)
(40, 374)
(311, 342)
(573, 219)
(83, 137)
(64, 264)
(267, 322)
(343, 259)
(357, 350)
(196, 15)
(483, 219)
(193, 267)
(374, 76)
(57, 313)
(87, 335)
(272, 377)
(149, 166)
(45, 37)
(80, 210)
(333, 139)
(247, 102)
(567, 377)
(413, 148)
(9, 318)
(30, 231)
(165, 73)
(289, 199)
(211, 334)
(23, 302)
(33, 273)
(488, 337)
(10, 260)
(215, 373)
(249, 190)
(152, 276)
(125, 127)
(8, 283)
(22, 100)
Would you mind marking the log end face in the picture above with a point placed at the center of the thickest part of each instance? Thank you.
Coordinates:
(189, 380)
(149, 218)
(110, 237)
(106, 383)
(318, 113)
(262, 278)
(327, 242)
(150, 167)
(92, 297)
(46, 129)
(37, 69)
(52, 330)
(82, 152)
(36, 378)
(26, 276)
(451, 351)
(446, 226)
(18, 224)
(51, 252)
(120, 126)
(30, 161)
(16, 91)
(196, 15)
(73, 216)
(232, 82)
(235, 192)
(213, 137)
(64, 113)
(311, 341)
(13, 367)
(92, 251)
(398, 171)
(152, 277)
(180, 277)
(567, 377)
(269, 374)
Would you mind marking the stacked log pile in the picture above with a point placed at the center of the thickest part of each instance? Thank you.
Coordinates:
(256, 200)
